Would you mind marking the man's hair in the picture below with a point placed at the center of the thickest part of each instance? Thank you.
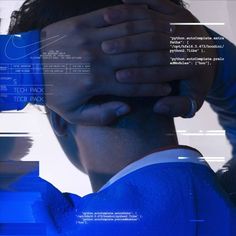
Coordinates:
(36, 14)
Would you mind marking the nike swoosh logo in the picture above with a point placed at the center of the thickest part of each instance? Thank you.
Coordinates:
(11, 44)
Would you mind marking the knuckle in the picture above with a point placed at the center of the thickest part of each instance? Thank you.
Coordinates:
(126, 10)
(104, 118)
(125, 44)
(141, 73)
(132, 73)
(88, 84)
(152, 24)
(156, 72)
(79, 26)
(134, 91)
(129, 28)
(165, 59)
(161, 59)
(71, 119)
(153, 38)
(87, 55)
(83, 39)
(139, 59)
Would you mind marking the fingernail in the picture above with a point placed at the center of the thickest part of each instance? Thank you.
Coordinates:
(122, 76)
(122, 110)
(112, 15)
(109, 47)
(162, 109)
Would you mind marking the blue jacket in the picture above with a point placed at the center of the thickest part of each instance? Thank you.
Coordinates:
(172, 192)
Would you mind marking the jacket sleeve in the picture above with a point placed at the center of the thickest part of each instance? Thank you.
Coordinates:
(222, 96)
(21, 80)
(222, 99)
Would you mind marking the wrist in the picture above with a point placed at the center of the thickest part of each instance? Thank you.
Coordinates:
(218, 71)
(32, 79)
(38, 87)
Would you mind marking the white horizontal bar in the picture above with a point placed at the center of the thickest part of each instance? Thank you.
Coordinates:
(19, 135)
(195, 23)
(203, 134)
(213, 158)
(216, 131)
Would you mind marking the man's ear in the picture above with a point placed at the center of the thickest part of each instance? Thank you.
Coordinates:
(59, 125)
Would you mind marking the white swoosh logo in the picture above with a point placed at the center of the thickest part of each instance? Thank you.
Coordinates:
(10, 43)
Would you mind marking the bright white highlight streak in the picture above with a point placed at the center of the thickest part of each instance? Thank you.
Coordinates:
(196, 23)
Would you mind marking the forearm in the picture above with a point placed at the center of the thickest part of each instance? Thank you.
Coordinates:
(21, 80)
(222, 96)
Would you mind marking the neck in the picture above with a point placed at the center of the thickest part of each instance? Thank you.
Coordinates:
(104, 151)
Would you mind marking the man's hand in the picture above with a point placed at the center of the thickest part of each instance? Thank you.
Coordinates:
(79, 39)
(146, 32)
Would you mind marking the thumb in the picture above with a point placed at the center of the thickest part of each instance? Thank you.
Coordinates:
(99, 114)
(175, 106)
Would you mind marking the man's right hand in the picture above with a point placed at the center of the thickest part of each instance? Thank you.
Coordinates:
(77, 41)
(148, 29)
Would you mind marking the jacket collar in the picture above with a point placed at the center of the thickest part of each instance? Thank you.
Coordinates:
(178, 154)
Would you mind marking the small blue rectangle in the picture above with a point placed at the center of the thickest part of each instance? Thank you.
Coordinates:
(20, 229)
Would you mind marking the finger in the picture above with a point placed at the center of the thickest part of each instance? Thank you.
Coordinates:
(96, 18)
(173, 106)
(155, 74)
(147, 90)
(140, 42)
(164, 6)
(99, 114)
(140, 59)
(124, 13)
(134, 27)
(184, 106)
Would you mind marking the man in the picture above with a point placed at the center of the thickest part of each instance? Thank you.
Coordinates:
(144, 183)
(65, 38)
(24, 79)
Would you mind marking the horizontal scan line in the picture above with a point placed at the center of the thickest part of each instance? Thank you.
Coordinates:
(215, 160)
(203, 134)
(18, 134)
(23, 112)
(196, 220)
(208, 159)
(216, 131)
(195, 23)
(213, 157)
(14, 132)
(28, 85)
